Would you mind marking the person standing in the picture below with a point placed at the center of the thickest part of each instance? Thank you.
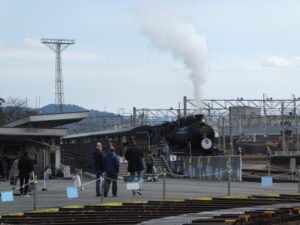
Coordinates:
(4, 168)
(269, 152)
(149, 161)
(111, 168)
(14, 173)
(25, 167)
(135, 165)
(98, 166)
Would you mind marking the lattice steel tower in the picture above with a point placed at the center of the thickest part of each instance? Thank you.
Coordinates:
(58, 45)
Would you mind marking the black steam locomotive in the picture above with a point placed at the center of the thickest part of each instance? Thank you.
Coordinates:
(187, 136)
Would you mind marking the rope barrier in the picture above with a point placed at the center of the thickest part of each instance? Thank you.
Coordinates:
(150, 177)
(23, 186)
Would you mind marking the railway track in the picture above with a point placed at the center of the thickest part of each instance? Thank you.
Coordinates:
(138, 212)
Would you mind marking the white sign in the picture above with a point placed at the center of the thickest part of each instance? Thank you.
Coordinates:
(173, 158)
(133, 186)
(123, 160)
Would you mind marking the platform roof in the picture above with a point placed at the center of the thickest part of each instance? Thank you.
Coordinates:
(53, 132)
(47, 120)
(98, 133)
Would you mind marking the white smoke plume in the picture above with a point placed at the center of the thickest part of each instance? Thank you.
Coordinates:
(181, 38)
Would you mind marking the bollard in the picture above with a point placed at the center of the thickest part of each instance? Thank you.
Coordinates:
(229, 179)
(102, 189)
(298, 181)
(34, 194)
(81, 175)
(164, 186)
(45, 178)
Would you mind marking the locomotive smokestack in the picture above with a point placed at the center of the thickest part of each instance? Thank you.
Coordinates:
(181, 38)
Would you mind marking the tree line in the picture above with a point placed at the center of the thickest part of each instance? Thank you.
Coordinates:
(12, 109)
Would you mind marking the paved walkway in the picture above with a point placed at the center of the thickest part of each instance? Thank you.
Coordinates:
(179, 188)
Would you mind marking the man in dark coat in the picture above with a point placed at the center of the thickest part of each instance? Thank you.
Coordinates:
(135, 165)
(111, 168)
(25, 167)
(98, 166)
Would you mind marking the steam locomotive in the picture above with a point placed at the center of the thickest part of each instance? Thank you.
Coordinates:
(187, 136)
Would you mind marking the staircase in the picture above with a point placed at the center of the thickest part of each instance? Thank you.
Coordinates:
(161, 165)
(123, 169)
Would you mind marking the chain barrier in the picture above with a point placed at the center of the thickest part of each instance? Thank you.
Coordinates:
(149, 177)
(279, 175)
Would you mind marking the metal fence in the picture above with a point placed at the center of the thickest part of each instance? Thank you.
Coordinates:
(209, 167)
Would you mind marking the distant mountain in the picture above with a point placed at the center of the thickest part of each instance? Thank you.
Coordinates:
(96, 121)
(52, 108)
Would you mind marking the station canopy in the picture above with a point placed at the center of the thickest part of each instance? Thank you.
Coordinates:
(48, 120)
(42, 125)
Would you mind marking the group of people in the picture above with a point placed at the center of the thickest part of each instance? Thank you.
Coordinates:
(21, 169)
(240, 151)
(107, 165)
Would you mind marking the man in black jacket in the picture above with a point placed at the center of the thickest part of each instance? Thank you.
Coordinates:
(25, 167)
(98, 166)
(135, 165)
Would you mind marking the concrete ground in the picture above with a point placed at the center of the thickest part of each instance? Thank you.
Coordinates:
(176, 188)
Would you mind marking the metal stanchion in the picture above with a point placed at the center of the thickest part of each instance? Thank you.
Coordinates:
(164, 186)
(34, 194)
(102, 189)
(229, 179)
(45, 180)
(81, 174)
(298, 181)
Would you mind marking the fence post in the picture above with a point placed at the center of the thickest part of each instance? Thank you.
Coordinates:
(45, 180)
(34, 193)
(229, 179)
(298, 180)
(102, 189)
(164, 186)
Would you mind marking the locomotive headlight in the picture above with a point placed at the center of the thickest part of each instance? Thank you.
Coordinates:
(203, 120)
(206, 143)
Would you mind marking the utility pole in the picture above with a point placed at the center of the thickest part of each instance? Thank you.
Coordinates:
(219, 126)
(184, 106)
(134, 117)
(223, 131)
(296, 124)
(58, 45)
(265, 114)
(282, 128)
(230, 130)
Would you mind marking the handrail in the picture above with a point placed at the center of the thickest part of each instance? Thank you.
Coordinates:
(167, 165)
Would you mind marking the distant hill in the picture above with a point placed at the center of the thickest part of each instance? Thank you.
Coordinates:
(52, 108)
(97, 120)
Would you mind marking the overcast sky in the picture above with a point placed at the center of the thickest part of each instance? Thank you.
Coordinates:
(253, 48)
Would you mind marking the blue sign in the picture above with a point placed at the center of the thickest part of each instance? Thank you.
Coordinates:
(72, 192)
(266, 181)
(7, 196)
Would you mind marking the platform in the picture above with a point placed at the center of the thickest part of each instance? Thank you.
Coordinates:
(176, 188)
